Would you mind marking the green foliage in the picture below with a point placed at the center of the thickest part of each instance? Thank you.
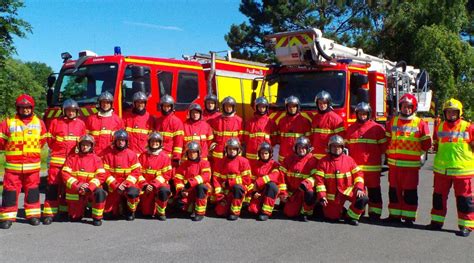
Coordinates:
(10, 26)
(17, 78)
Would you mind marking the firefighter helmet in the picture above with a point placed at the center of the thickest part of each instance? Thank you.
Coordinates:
(106, 96)
(70, 104)
(363, 107)
(193, 146)
(323, 96)
(336, 139)
(265, 146)
(196, 107)
(231, 101)
(25, 100)
(302, 141)
(120, 135)
(86, 138)
(261, 101)
(211, 97)
(232, 143)
(139, 96)
(166, 99)
(155, 136)
(410, 99)
(453, 104)
(292, 100)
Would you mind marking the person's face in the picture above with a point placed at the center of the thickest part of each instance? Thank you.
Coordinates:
(210, 105)
(228, 108)
(70, 113)
(232, 152)
(154, 144)
(25, 110)
(121, 143)
(195, 115)
(261, 108)
(193, 155)
(264, 155)
(140, 105)
(336, 149)
(451, 114)
(361, 115)
(322, 105)
(407, 108)
(105, 105)
(166, 107)
(292, 108)
(85, 146)
(301, 150)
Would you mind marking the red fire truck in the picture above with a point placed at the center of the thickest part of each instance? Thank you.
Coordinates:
(310, 63)
(188, 80)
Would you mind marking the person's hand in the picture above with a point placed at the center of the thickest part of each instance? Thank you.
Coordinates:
(184, 193)
(149, 188)
(324, 201)
(360, 194)
(83, 188)
(256, 195)
(121, 188)
(284, 198)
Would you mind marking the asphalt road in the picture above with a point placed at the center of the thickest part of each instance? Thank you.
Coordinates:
(245, 240)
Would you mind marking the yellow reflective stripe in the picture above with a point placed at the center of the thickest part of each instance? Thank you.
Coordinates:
(395, 212)
(172, 134)
(200, 209)
(454, 171)
(251, 156)
(32, 211)
(266, 179)
(132, 206)
(70, 182)
(437, 218)
(331, 197)
(355, 170)
(135, 166)
(402, 163)
(166, 168)
(67, 169)
(227, 133)
(297, 175)
(375, 210)
(179, 176)
(283, 169)
(131, 179)
(409, 213)
(371, 168)
(20, 167)
(323, 131)
(161, 210)
(95, 181)
(282, 187)
(259, 134)
(199, 179)
(246, 172)
(407, 152)
(73, 197)
(195, 137)
(101, 132)
(7, 215)
(110, 180)
(338, 176)
(238, 180)
(106, 166)
(2, 135)
(66, 138)
(384, 140)
(291, 134)
(50, 210)
(177, 149)
(466, 223)
(137, 130)
(218, 190)
(368, 141)
(97, 212)
(267, 208)
(203, 170)
(321, 188)
(348, 191)
(57, 160)
(339, 129)
(359, 180)
(352, 214)
(160, 179)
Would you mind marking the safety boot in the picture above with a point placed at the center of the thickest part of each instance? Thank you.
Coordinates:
(262, 217)
(34, 221)
(434, 227)
(463, 232)
(97, 222)
(47, 220)
(130, 217)
(352, 222)
(162, 217)
(197, 218)
(6, 224)
(374, 217)
(408, 223)
(232, 217)
(303, 218)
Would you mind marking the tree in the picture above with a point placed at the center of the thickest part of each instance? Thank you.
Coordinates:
(10, 26)
(349, 22)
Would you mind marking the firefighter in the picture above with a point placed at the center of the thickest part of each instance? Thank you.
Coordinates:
(154, 181)
(453, 165)
(192, 182)
(325, 124)
(63, 135)
(339, 179)
(138, 123)
(259, 129)
(226, 126)
(407, 138)
(104, 123)
(22, 137)
(171, 128)
(298, 169)
(123, 170)
(198, 130)
(211, 109)
(269, 183)
(366, 143)
(232, 179)
(83, 174)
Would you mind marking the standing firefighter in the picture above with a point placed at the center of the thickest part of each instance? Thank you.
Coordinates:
(269, 182)
(123, 170)
(198, 130)
(298, 169)
(366, 142)
(453, 166)
(211, 111)
(154, 181)
(258, 130)
(22, 137)
(192, 182)
(339, 179)
(232, 179)
(325, 124)
(408, 138)
(83, 174)
(171, 128)
(138, 123)
(291, 126)
(104, 123)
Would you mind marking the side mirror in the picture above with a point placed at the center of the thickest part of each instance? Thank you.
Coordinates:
(138, 72)
(51, 80)
(49, 96)
(422, 81)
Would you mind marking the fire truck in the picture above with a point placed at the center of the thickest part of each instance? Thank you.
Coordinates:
(187, 80)
(310, 63)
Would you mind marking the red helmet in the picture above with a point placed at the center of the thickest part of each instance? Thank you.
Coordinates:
(410, 99)
(25, 100)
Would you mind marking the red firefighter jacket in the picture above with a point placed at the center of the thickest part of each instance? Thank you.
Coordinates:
(299, 170)
(200, 132)
(138, 127)
(156, 169)
(193, 172)
(63, 136)
(226, 127)
(102, 129)
(229, 172)
(121, 166)
(171, 128)
(82, 168)
(323, 127)
(210, 118)
(266, 172)
(289, 129)
(259, 129)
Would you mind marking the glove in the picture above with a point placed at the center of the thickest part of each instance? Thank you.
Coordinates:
(187, 186)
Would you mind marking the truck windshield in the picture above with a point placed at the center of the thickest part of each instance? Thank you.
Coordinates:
(85, 84)
(306, 85)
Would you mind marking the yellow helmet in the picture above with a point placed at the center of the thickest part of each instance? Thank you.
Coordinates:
(453, 104)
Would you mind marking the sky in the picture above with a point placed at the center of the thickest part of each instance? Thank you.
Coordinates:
(158, 28)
